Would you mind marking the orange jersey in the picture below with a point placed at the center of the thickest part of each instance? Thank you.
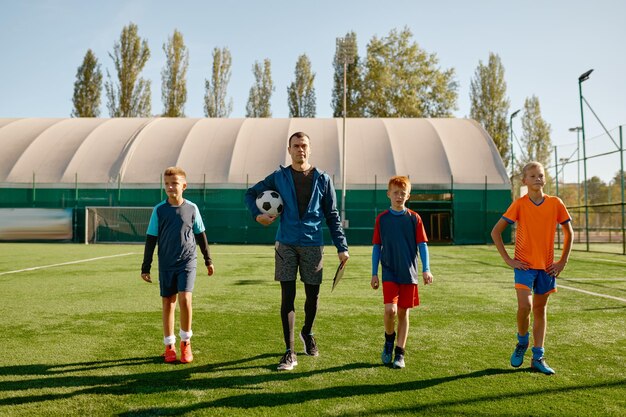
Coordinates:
(536, 225)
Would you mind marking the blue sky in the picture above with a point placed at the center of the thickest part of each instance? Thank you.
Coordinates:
(544, 47)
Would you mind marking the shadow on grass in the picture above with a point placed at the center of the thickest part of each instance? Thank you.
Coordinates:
(169, 377)
(206, 377)
(442, 407)
(272, 400)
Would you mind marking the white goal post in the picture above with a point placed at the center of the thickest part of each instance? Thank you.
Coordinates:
(116, 224)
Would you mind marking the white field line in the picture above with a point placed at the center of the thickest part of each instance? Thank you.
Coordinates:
(34, 268)
(608, 260)
(591, 279)
(593, 293)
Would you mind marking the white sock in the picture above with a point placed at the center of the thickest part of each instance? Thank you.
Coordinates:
(185, 336)
(169, 340)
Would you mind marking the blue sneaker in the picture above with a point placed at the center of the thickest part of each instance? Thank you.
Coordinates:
(517, 358)
(540, 365)
(387, 353)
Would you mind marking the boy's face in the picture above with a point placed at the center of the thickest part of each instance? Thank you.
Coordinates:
(397, 196)
(534, 178)
(174, 186)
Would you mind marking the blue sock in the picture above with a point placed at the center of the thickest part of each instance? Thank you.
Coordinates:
(523, 340)
(538, 353)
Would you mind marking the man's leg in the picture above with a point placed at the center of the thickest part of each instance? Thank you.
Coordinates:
(287, 312)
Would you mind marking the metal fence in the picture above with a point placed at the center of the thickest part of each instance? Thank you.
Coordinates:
(589, 177)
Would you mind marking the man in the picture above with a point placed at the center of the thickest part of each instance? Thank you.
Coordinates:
(309, 197)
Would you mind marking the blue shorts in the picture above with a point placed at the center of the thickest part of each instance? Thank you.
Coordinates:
(536, 280)
(173, 282)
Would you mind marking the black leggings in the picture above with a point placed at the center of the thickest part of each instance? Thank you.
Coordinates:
(287, 309)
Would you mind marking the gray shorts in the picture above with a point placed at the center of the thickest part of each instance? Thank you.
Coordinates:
(308, 259)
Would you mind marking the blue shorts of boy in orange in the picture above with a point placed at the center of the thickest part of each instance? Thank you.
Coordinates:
(536, 280)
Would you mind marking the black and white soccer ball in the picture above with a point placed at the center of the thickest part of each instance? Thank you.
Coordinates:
(270, 202)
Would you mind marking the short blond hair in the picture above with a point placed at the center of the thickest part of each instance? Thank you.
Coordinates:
(174, 171)
(530, 165)
(400, 181)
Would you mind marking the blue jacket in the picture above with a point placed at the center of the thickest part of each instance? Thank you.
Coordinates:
(323, 205)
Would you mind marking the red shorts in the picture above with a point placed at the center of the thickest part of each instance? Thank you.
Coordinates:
(404, 295)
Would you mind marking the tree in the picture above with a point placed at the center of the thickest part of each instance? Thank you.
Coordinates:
(616, 187)
(402, 80)
(489, 104)
(301, 93)
(130, 96)
(261, 92)
(216, 88)
(87, 87)
(353, 84)
(597, 190)
(535, 134)
(174, 76)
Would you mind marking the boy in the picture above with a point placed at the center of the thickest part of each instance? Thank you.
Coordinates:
(537, 215)
(398, 237)
(176, 225)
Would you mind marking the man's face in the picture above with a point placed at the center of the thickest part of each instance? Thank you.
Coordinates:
(299, 150)
(174, 185)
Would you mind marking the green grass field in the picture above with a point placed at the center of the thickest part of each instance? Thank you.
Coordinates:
(85, 339)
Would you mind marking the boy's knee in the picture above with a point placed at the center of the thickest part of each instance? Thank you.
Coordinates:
(390, 311)
(540, 310)
(524, 309)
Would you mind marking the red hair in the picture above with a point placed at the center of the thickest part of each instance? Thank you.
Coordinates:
(400, 181)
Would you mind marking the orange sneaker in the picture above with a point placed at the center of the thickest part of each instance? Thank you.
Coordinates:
(185, 352)
(170, 353)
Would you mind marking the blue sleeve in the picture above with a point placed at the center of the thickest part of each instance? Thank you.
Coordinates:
(250, 198)
(375, 259)
(198, 224)
(153, 226)
(333, 220)
(423, 249)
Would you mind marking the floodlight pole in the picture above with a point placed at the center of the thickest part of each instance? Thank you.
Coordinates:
(346, 53)
(583, 77)
(512, 152)
(577, 129)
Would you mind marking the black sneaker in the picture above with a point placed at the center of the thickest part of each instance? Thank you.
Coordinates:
(310, 347)
(288, 361)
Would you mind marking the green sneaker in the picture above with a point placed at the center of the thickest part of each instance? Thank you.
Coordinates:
(540, 365)
(517, 358)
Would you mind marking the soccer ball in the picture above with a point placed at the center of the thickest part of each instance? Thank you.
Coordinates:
(270, 202)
